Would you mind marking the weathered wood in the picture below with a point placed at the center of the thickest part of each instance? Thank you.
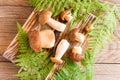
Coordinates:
(107, 69)
(14, 2)
(102, 71)
(107, 77)
(107, 72)
(108, 56)
(8, 71)
(15, 12)
(11, 50)
(3, 59)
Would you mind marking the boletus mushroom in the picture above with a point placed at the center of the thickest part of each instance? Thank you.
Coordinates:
(76, 53)
(45, 17)
(60, 51)
(75, 35)
(41, 39)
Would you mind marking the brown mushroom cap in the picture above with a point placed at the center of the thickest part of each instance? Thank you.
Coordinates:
(76, 36)
(76, 54)
(44, 16)
(72, 34)
(64, 13)
(34, 40)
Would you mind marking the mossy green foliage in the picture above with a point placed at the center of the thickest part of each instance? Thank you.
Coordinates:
(38, 65)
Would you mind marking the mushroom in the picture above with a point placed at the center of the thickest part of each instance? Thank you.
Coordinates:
(34, 40)
(66, 15)
(76, 36)
(45, 17)
(60, 51)
(41, 39)
(76, 54)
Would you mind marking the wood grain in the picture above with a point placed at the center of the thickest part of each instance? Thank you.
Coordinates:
(14, 3)
(107, 72)
(102, 71)
(15, 12)
(2, 59)
(8, 71)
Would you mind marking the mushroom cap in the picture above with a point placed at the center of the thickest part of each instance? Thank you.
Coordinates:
(72, 34)
(44, 16)
(55, 60)
(80, 37)
(64, 13)
(76, 54)
(34, 40)
(76, 36)
(75, 57)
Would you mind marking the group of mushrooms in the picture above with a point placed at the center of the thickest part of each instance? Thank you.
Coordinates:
(39, 39)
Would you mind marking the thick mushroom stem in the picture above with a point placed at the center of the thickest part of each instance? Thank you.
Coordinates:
(47, 38)
(60, 51)
(45, 17)
(56, 25)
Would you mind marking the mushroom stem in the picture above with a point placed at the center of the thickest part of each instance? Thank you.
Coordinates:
(60, 51)
(56, 25)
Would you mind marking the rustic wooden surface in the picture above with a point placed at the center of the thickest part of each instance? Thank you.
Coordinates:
(107, 63)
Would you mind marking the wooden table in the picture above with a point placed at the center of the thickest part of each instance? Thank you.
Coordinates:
(107, 63)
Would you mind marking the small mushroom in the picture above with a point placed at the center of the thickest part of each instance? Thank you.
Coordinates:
(66, 15)
(41, 39)
(45, 17)
(60, 51)
(76, 36)
(76, 54)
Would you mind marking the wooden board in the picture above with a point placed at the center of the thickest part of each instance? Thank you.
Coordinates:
(107, 65)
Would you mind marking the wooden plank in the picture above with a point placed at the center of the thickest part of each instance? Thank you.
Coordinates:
(16, 12)
(108, 56)
(8, 25)
(14, 2)
(107, 77)
(3, 59)
(102, 71)
(8, 71)
(107, 69)
(2, 49)
(107, 72)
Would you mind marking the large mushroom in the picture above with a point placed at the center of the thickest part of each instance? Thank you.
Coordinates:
(45, 17)
(60, 51)
(41, 39)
